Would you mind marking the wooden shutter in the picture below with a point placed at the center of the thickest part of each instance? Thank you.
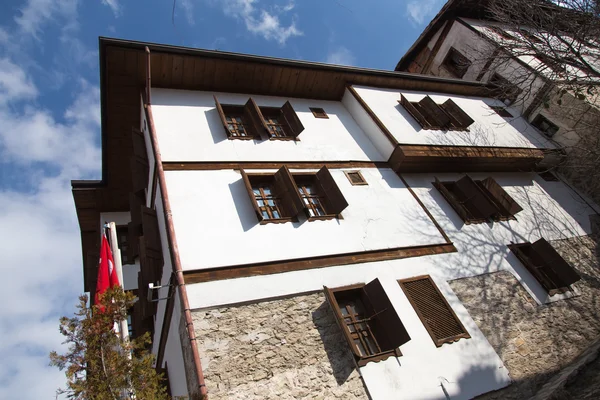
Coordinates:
(501, 197)
(140, 323)
(384, 318)
(134, 231)
(256, 120)
(248, 185)
(139, 144)
(434, 114)
(329, 295)
(566, 274)
(222, 116)
(335, 199)
(412, 110)
(148, 308)
(456, 205)
(434, 311)
(136, 202)
(474, 199)
(293, 122)
(286, 189)
(459, 118)
(150, 229)
(139, 174)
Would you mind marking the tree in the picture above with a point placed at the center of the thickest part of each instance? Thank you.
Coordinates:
(549, 56)
(97, 365)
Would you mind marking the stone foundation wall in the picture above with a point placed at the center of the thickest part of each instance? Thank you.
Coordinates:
(534, 341)
(282, 349)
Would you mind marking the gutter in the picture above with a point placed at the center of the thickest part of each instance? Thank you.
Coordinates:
(174, 250)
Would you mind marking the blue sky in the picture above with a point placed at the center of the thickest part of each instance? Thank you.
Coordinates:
(50, 126)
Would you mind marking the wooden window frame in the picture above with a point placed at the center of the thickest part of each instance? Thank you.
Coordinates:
(362, 182)
(546, 272)
(447, 116)
(287, 119)
(502, 111)
(539, 119)
(319, 112)
(456, 70)
(501, 204)
(233, 111)
(379, 336)
(438, 341)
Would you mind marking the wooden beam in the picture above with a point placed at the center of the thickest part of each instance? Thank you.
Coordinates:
(219, 165)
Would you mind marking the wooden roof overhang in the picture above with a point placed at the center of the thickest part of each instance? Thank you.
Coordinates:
(123, 78)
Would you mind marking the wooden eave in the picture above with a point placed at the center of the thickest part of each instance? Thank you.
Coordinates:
(123, 77)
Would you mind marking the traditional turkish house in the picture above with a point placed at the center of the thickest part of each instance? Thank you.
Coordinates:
(302, 222)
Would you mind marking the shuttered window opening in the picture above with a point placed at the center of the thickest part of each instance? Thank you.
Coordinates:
(138, 162)
(501, 111)
(546, 265)
(253, 122)
(478, 201)
(506, 91)
(123, 242)
(368, 321)
(434, 311)
(137, 200)
(356, 178)
(319, 112)
(430, 115)
(456, 63)
(280, 197)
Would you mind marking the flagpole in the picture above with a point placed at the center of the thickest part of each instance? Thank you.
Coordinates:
(116, 253)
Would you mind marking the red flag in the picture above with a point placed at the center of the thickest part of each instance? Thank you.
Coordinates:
(107, 273)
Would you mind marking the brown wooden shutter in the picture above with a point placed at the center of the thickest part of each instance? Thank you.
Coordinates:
(458, 117)
(139, 174)
(148, 308)
(384, 317)
(335, 199)
(248, 185)
(434, 114)
(434, 311)
(136, 202)
(474, 199)
(500, 195)
(150, 229)
(286, 189)
(456, 205)
(256, 120)
(222, 116)
(566, 274)
(293, 122)
(412, 110)
(329, 295)
(139, 144)
(134, 231)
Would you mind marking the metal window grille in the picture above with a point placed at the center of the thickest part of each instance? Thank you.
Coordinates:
(235, 124)
(353, 312)
(268, 203)
(276, 128)
(312, 200)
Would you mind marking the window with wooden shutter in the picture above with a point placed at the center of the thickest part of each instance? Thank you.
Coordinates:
(140, 324)
(434, 114)
(139, 162)
(334, 199)
(430, 115)
(546, 265)
(413, 110)
(235, 121)
(478, 201)
(368, 321)
(285, 187)
(544, 125)
(459, 120)
(506, 91)
(456, 63)
(294, 124)
(255, 119)
(434, 311)
(148, 308)
(151, 257)
(134, 227)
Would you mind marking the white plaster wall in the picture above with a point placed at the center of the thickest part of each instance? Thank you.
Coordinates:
(189, 129)
(130, 271)
(173, 355)
(216, 225)
(489, 129)
(369, 127)
(151, 161)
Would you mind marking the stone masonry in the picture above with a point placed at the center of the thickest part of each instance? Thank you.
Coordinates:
(282, 349)
(534, 341)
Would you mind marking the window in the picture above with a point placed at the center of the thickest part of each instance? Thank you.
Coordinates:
(355, 178)
(544, 125)
(253, 122)
(434, 311)
(478, 201)
(507, 92)
(319, 112)
(456, 63)
(501, 111)
(546, 265)
(430, 115)
(123, 239)
(280, 197)
(368, 321)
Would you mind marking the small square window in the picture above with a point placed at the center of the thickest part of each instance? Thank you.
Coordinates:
(368, 320)
(544, 125)
(456, 63)
(501, 111)
(319, 112)
(355, 178)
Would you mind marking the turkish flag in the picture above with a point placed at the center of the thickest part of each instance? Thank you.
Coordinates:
(107, 273)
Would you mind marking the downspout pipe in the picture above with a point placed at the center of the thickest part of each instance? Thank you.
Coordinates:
(174, 249)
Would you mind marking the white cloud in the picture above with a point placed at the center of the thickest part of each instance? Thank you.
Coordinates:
(114, 6)
(35, 13)
(340, 56)
(14, 84)
(188, 10)
(261, 22)
(423, 10)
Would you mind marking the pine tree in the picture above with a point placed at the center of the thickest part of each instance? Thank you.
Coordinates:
(97, 364)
